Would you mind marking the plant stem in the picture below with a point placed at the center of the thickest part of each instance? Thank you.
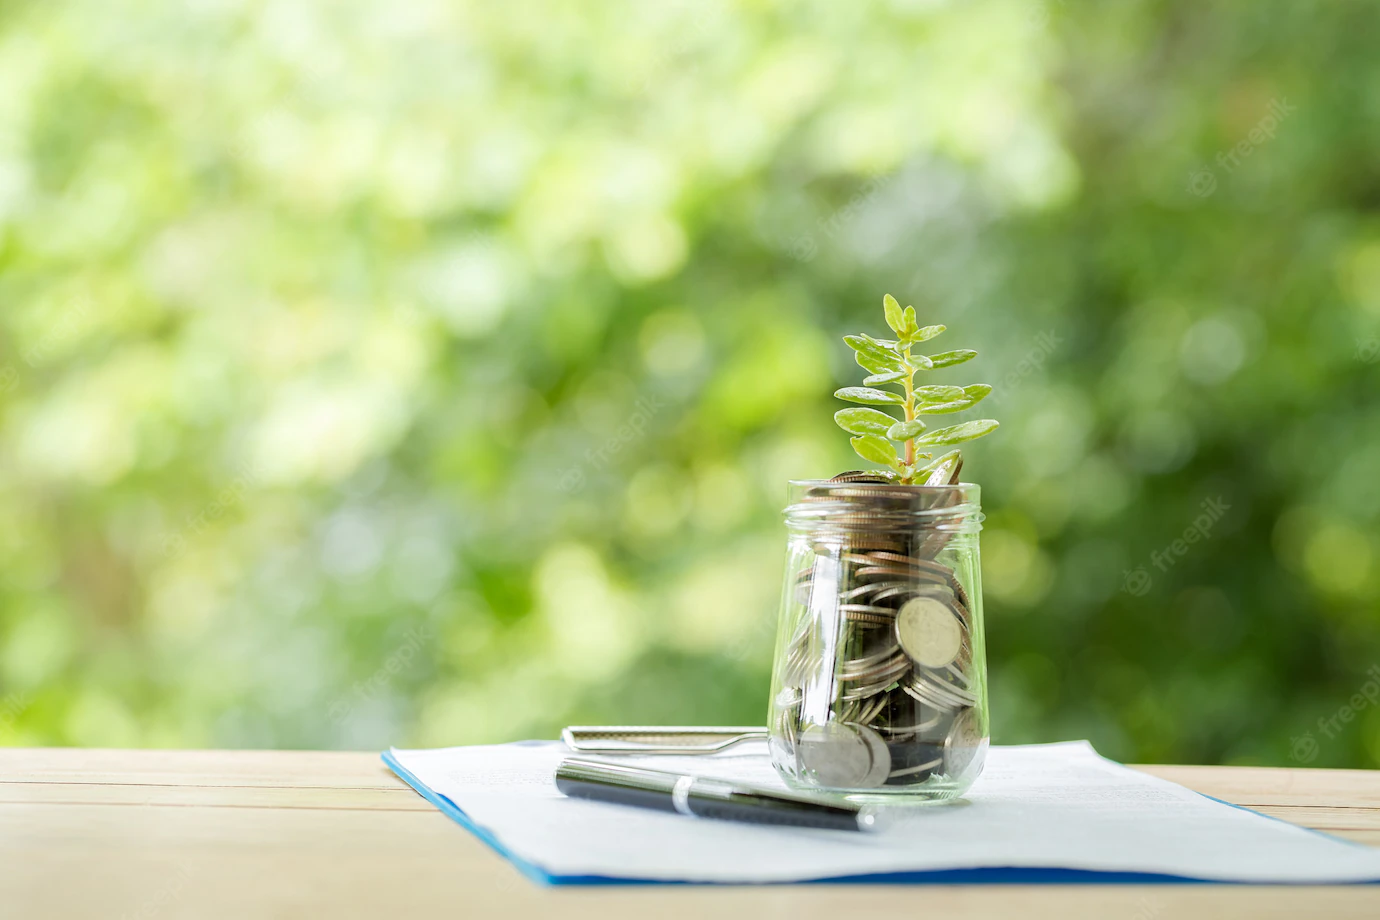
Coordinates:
(910, 412)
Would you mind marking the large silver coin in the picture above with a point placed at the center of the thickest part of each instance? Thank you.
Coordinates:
(963, 743)
(929, 632)
(836, 754)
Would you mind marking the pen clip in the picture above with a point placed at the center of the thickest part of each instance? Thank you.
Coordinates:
(658, 739)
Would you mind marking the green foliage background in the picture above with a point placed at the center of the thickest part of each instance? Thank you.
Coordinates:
(430, 373)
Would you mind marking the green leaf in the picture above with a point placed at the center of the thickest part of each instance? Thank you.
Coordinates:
(957, 405)
(857, 420)
(871, 356)
(925, 333)
(911, 326)
(969, 396)
(950, 358)
(938, 393)
(976, 393)
(869, 396)
(904, 431)
(869, 363)
(921, 362)
(878, 450)
(895, 317)
(957, 434)
(889, 377)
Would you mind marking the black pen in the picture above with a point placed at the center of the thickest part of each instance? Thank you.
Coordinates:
(704, 797)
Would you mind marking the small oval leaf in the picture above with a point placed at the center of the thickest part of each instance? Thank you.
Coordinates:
(872, 357)
(976, 392)
(950, 358)
(895, 317)
(869, 363)
(878, 450)
(938, 393)
(957, 405)
(957, 434)
(921, 362)
(869, 396)
(890, 377)
(925, 333)
(911, 326)
(972, 395)
(904, 431)
(857, 420)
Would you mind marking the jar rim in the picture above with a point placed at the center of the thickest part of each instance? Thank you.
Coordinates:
(830, 483)
(813, 502)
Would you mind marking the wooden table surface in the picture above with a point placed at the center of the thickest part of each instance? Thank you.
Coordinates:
(208, 834)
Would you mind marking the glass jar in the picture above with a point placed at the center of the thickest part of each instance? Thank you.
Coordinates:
(879, 687)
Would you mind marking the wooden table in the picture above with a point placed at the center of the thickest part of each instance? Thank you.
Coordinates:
(157, 835)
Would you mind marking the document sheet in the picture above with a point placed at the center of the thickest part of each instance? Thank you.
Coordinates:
(1038, 812)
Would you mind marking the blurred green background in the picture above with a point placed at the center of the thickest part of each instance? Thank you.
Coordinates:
(430, 373)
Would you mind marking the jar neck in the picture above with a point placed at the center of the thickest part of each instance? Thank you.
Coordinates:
(826, 505)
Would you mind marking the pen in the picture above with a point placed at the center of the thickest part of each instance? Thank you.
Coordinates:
(704, 797)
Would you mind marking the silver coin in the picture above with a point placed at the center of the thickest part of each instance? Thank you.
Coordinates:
(872, 670)
(869, 715)
(861, 591)
(892, 573)
(867, 608)
(867, 662)
(881, 557)
(937, 684)
(878, 589)
(881, 757)
(836, 754)
(928, 630)
(927, 589)
(918, 723)
(866, 621)
(860, 476)
(920, 768)
(931, 694)
(963, 743)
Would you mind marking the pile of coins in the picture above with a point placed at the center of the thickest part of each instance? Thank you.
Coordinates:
(877, 685)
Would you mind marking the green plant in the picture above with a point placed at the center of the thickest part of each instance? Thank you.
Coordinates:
(890, 363)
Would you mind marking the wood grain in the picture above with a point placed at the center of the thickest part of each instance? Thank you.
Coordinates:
(159, 835)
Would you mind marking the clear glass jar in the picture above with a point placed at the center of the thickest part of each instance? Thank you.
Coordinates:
(879, 687)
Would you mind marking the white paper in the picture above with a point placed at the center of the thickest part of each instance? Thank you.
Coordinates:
(1035, 806)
